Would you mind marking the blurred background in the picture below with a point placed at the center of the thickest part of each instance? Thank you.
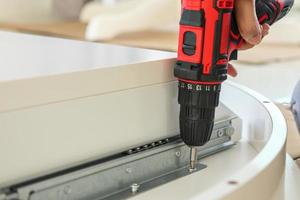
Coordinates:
(153, 24)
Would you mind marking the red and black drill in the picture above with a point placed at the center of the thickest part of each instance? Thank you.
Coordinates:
(208, 40)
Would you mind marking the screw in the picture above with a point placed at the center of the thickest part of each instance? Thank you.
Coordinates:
(135, 188)
(191, 170)
(129, 170)
(178, 153)
(220, 133)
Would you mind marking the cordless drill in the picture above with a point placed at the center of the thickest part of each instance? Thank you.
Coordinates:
(208, 40)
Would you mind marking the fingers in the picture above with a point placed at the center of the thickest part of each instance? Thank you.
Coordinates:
(231, 70)
(245, 45)
(247, 22)
(265, 31)
(249, 27)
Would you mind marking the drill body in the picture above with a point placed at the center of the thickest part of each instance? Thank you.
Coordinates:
(208, 40)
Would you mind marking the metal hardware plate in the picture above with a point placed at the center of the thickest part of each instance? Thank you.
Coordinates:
(123, 175)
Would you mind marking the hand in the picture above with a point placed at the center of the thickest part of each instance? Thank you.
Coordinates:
(249, 27)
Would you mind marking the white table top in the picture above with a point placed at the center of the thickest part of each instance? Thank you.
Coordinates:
(264, 132)
(36, 70)
(28, 56)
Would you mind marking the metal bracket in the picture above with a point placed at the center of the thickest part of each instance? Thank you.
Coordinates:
(124, 175)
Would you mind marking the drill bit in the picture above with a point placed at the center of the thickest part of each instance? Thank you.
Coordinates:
(193, 159)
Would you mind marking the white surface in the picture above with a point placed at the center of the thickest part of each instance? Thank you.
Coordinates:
(259, 176)
(52, 136)
(38, 70)
(275, 80)
(261, 150)
(29, 56)
(264, 131)
(46, 108)
(60, 134)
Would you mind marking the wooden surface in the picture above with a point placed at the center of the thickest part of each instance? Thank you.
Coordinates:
(293, 138)
(264, 53)
(73, 30)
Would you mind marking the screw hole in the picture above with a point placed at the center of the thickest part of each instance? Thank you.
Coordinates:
(266, 101)
(232, 182)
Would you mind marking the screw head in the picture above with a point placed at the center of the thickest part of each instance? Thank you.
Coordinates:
(135, 188)
(220, 133)
(130, 151)
(178, 153)
(191, 170)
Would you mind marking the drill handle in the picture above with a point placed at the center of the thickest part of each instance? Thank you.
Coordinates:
(267, 11)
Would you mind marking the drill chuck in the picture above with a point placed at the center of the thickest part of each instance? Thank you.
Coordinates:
(197, 111)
